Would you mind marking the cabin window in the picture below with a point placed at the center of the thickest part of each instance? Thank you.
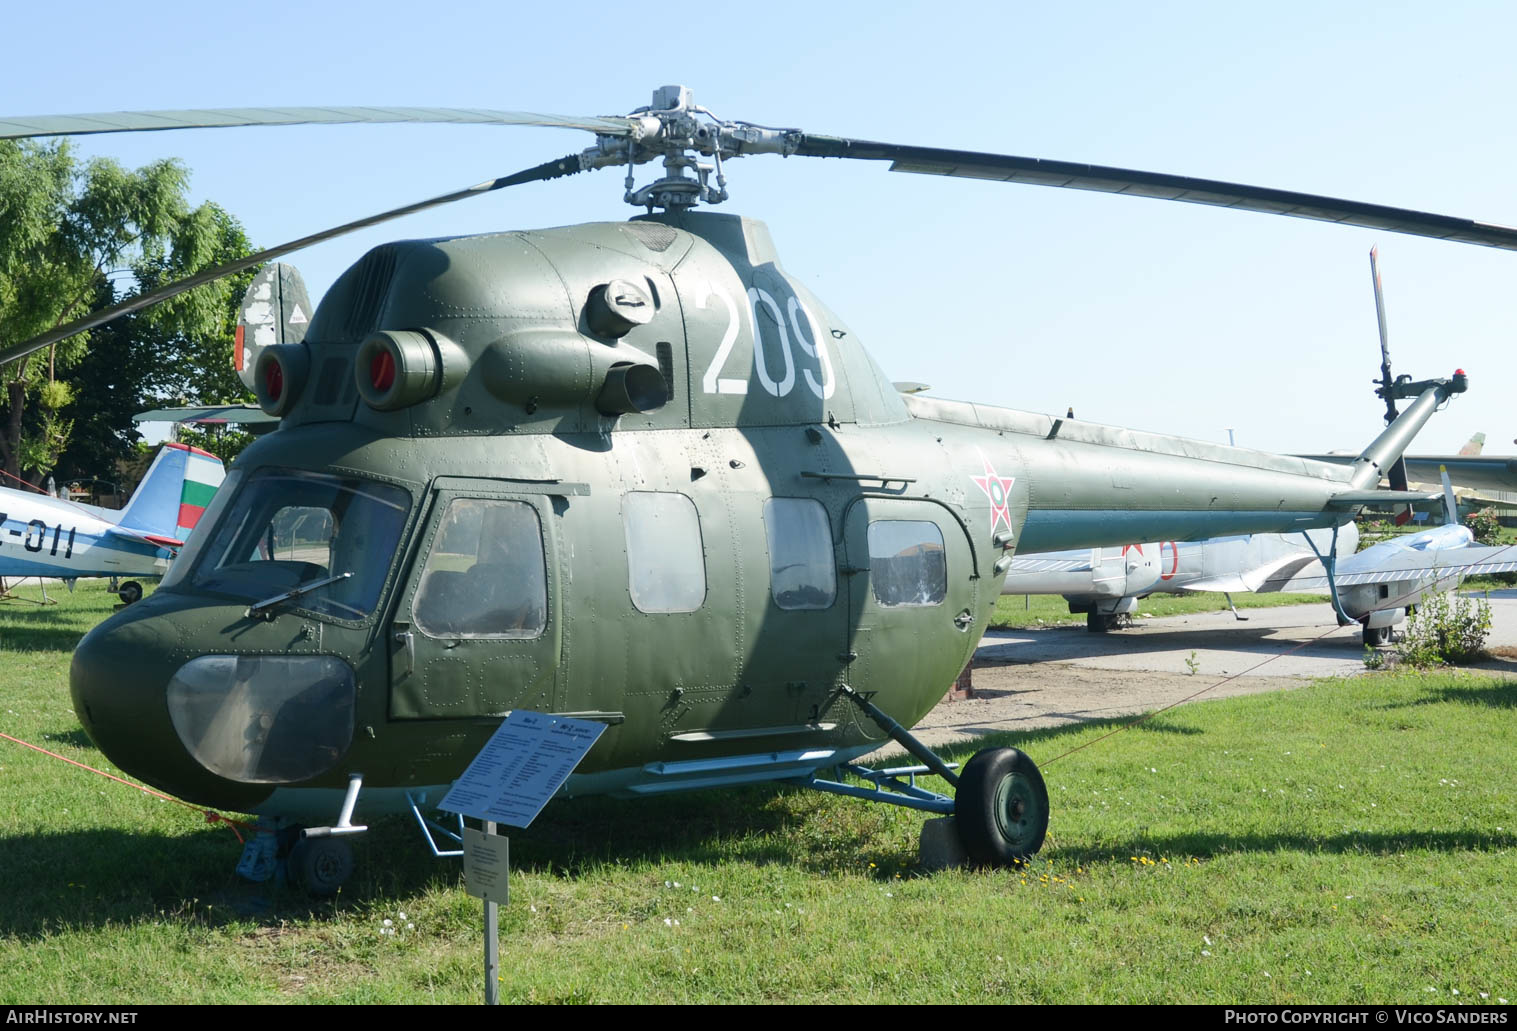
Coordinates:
(286, 529)
(801, 570)
(666, 563)
(485, 575)
(907, 563)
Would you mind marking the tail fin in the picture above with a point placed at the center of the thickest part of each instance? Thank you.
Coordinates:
(172, 496)
(1475, 446)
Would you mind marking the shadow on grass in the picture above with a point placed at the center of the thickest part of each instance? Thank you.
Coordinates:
(1492, 693)
(91, 878)
(1030, 740)
(1498, 694)
(76, 737)
(62, 639)
(1212, 845)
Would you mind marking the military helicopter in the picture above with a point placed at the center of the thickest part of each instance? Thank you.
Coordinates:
(634, 473)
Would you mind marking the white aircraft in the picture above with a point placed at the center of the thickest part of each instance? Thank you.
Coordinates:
(1373, 587)
(44, 536)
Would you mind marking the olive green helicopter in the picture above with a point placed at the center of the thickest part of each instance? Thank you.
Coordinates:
(632, 473)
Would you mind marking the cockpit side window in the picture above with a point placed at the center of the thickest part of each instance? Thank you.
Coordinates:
(907, 563)
(486, 575)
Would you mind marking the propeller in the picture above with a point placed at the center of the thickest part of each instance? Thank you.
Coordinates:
(673, 128)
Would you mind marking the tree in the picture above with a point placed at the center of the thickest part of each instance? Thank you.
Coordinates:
(70, 235)
(136, 363)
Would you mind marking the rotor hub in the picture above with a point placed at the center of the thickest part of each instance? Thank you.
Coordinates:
(680, 132)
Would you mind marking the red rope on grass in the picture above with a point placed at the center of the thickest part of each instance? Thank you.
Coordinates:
(211, 816)
(1210, 687)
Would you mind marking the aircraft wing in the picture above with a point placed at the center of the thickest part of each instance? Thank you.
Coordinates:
(1259, 580)
(1411, 565)
(1049, 564)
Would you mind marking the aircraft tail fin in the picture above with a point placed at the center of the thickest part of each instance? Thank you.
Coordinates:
(172, 496)
(1474, 447)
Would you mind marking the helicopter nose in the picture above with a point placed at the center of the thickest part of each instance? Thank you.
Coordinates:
(119, 680)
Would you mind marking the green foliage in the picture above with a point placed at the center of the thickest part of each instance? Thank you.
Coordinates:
(1375, 531)
(1484, 524)
(1444, 632)
(66, 229)
(225, 445)
(1352, 839)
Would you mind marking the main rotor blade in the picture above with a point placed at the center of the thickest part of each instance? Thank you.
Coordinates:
(548, 170)
(220, 118)
(1071, 175)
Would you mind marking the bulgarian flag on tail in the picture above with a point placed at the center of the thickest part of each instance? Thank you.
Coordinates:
(202, 475)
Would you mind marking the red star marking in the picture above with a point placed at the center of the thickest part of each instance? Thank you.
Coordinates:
(1131, 547)
(998, 490)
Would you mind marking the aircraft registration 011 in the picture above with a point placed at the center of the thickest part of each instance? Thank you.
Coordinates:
(525, 761)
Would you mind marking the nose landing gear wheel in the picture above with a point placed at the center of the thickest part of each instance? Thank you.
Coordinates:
(1374, 636)
(322, 865)
(1001, 807)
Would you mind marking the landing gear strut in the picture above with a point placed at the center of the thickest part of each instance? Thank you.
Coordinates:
(1100, 622)
(1000, 806)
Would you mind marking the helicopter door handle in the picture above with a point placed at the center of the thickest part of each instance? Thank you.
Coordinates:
(409, 640)
(963, 620)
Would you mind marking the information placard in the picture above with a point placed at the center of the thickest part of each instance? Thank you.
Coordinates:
(525, 761)
(487, 866)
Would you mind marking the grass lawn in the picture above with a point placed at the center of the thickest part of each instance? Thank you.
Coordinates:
(1351, 841)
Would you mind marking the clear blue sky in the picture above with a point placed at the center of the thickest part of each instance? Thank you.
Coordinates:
(1168, 317)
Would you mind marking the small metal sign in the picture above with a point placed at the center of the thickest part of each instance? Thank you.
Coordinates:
(487, 866)
(525, 761)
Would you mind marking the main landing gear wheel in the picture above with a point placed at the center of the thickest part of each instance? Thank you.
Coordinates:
(1001, 807)
(129, 592)
(1099, 623)
(322, 865)
(1374, 636)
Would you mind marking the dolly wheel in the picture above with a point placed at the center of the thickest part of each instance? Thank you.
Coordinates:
(322, 865)
(1001, 807)
(129, 592)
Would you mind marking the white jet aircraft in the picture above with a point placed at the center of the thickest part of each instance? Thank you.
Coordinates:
(1374, 587)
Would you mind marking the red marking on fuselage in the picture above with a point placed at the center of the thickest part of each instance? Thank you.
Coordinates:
(1174, 562)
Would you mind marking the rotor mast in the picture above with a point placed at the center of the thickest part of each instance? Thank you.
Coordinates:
(682, 132)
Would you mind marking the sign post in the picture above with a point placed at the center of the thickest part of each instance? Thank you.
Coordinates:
(524, 763)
